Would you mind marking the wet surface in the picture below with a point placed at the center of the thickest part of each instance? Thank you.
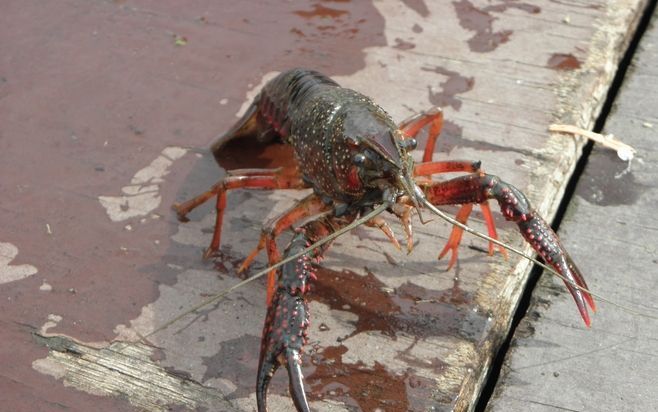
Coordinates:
(480, 20)
(452, 137)
(563, 61)
(355, 384)
(403, 44)
(332, 28)
(409, 310)
(454, 84)
(615, 186)
(446, 94)
(418, 6)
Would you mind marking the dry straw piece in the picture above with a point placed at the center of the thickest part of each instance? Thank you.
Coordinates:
(624, 151)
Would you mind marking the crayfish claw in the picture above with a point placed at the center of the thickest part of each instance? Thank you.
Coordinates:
(265, 373)
(286, 324)
(292, 360)
(582, 297)
(542, 238)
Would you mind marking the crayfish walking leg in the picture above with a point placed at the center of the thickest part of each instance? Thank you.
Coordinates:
(410, 129)
(262, 179)
(287, 320)
(309, 206)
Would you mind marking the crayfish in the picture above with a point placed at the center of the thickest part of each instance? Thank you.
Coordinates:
(356, 159)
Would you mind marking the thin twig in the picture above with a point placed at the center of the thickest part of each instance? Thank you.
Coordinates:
(624, 151)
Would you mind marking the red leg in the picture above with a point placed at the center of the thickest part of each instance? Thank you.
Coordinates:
(382, 225)
(182, 209)
(403, 212)
(414, 124)
(309, 206)
(478, 187)
(456, 235)
(429, 168)
(269, 179)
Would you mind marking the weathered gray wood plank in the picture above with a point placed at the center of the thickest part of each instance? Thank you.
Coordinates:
(611, 224)
(126, 370)
(93, 146)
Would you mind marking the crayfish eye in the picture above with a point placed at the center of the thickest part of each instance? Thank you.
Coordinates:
(359, 159)
(409, 144)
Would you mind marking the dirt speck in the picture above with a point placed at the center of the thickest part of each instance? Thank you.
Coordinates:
(403, 44)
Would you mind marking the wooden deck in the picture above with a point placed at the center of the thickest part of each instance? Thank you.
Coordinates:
(106, 112)
(557, 365)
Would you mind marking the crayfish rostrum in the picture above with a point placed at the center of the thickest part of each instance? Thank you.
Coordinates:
(354, 157)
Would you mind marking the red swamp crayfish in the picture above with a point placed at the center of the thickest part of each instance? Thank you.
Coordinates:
(356, 159)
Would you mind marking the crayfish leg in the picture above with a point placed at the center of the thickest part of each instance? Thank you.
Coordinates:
(403, 212)
(269, 180)
(452, 166)
(491, 229)
(309, 206)
(382, 225)
(456, 235)
(182, 209)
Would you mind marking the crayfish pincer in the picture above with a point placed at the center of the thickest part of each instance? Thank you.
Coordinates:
(355, 158)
